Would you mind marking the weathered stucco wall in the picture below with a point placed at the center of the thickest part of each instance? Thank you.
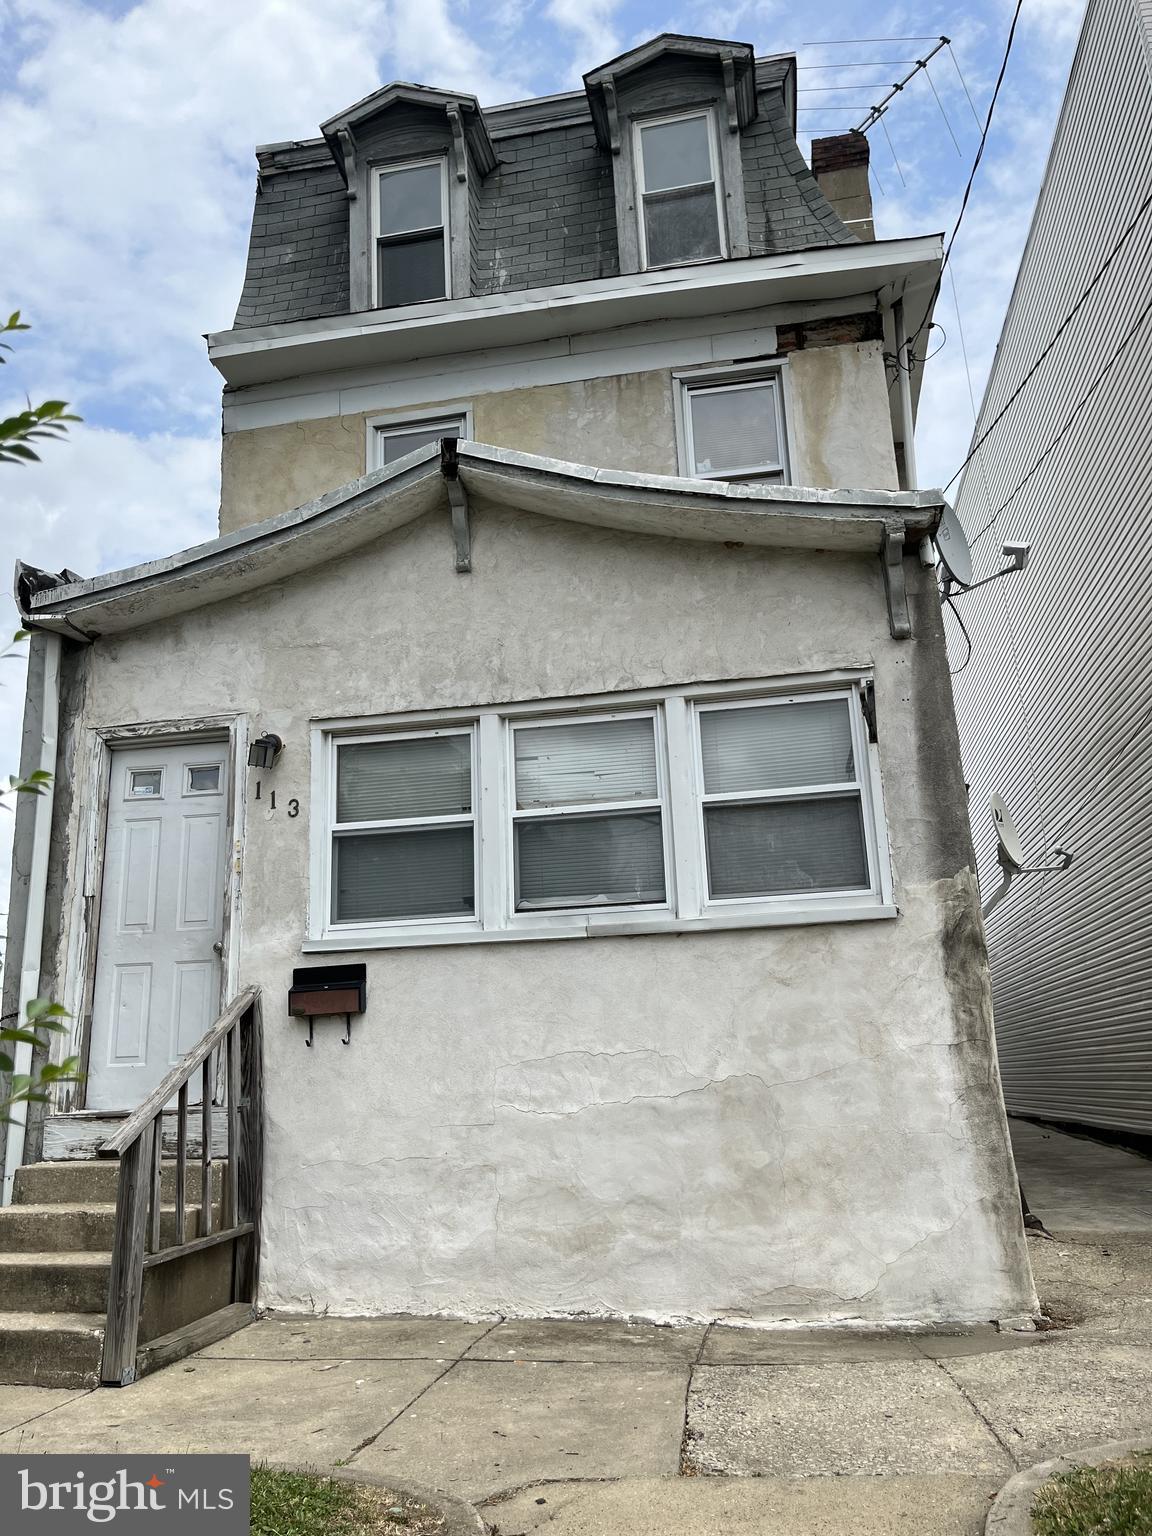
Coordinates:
(769, 1124)
(839, 432)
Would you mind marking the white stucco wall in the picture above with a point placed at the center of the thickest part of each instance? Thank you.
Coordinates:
(770, 1124)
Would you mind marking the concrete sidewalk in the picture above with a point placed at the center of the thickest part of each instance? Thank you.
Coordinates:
(599, 1427)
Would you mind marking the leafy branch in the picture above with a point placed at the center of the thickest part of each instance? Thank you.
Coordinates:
(41, 1017)
(37, 423)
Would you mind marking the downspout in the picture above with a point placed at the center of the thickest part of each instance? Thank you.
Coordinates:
(904, 379)
(47, 706)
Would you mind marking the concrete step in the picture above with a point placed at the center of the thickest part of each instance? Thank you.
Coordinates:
(54, 1282)
(51, 1349)
(61, 1228)
(94, 1182)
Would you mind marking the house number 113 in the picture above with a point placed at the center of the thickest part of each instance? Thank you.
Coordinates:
(293, 805)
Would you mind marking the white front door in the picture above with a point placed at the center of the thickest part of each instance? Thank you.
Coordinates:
(158, 963)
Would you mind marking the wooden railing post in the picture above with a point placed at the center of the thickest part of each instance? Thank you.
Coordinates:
(249, 1155)
(126, 1280)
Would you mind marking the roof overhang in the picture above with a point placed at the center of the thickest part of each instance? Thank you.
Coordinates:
(787, 517)
(737, 61)
(889, 268)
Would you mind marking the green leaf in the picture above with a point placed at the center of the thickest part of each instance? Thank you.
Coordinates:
(44, 1007)
(6, 1062)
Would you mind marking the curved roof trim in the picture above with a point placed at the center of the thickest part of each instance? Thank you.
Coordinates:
(365, 510)
(403, 92)
(737, 58)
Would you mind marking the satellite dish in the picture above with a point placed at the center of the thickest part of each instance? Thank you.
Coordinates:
(1011, 854)
(952, 545)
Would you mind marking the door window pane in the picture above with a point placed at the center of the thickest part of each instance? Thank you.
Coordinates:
(412, 270)
(779, 746)
(581, 764)
(410, 199)
(734, 429)
(392, 780)
(785, 845)
(204, 781)
(585, 861)
(682, 226)
(676, 154)
(145, 783)
(386, 875)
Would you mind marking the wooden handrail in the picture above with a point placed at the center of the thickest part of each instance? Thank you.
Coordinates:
(179, 1075)
(139, 1242)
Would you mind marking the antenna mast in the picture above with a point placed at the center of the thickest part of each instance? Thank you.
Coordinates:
(879, 110)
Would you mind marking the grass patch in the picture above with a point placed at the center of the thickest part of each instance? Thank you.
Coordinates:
(1114, 1499)
(310, 1504)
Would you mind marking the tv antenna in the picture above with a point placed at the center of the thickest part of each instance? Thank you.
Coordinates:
(1010, 853)
(956, 557)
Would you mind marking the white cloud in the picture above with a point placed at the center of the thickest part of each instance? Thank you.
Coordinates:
(592, 22)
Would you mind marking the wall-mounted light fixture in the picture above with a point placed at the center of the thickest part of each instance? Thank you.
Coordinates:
(264, 751)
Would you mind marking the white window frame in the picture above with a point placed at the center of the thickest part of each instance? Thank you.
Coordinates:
(396, 425)
(334, 828)
(687, 906)
(840, 789)
(638, 125)
(531, 916)
(378, 173)
(743, 376)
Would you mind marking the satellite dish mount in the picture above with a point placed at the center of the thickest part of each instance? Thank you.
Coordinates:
(956, 557)
(1010, 854)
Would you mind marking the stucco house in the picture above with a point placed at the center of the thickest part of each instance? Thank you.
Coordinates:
(555, 750)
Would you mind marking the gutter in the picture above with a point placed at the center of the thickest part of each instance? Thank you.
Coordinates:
(42, 718)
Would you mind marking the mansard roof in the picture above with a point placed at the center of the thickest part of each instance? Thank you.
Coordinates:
(365, 510)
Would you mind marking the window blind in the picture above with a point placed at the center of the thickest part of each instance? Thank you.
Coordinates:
(423, 873)
(389, 780)
(585, 763)
(733, 429)
(778, 746)
(785, 845)
(589, 861)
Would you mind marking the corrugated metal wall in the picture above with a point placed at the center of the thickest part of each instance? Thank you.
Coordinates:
(1056, 705)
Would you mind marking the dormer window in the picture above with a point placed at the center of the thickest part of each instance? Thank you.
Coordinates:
(680, 203)
(410, 215)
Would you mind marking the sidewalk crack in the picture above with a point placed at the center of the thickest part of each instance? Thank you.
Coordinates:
(451, 1366)
(685, 1468)
(976, 1409)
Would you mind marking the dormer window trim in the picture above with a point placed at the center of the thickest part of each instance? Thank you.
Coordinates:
(382, 240)
(646, 195)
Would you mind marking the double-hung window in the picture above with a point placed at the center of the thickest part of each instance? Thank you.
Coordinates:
(410, 218)
(403, 829)
(678, 181)
(587, 819)
(734, 805)
(781, 799)
(734, 430)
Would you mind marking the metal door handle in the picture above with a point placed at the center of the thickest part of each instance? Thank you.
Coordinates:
(217, 948)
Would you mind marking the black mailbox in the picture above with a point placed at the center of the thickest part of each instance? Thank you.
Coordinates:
(322, 991)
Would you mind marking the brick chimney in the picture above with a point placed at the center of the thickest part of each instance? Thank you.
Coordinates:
(840, 166)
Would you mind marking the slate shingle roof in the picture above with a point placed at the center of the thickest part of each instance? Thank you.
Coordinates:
(546, 215)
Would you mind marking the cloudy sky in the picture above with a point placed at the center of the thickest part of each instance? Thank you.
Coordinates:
(127, 176)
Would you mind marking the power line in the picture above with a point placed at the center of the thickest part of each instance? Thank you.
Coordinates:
(975, 168)
(1066, 428)
(1061, 328)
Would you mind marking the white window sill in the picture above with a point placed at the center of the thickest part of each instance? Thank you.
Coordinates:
(600, 926)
